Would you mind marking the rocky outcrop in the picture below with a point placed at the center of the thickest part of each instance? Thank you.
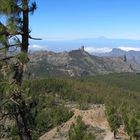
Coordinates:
(77, 63)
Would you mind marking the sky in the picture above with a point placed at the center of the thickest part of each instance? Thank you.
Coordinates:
(77, 19)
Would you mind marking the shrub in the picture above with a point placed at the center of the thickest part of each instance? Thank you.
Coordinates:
(78, 131)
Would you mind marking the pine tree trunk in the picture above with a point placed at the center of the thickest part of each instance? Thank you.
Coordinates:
(20, 111)
(25, 35)
(20, 115)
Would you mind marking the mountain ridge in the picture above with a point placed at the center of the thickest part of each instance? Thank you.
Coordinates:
(131, 55)
(78, 63)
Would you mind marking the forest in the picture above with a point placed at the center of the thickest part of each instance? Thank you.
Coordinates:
(46, 99)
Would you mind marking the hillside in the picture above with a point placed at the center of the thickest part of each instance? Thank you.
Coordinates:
(94, 118)
(106, 103)
(86, 97)
(77, 63)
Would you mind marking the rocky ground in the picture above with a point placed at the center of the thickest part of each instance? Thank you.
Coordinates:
(95, 119)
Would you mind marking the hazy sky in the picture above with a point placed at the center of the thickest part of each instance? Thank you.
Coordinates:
(72, 19)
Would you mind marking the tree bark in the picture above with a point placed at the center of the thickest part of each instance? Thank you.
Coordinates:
(25, 35)
(20, 111)
(22, 123)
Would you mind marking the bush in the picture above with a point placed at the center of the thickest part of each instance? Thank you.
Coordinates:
(78, 131)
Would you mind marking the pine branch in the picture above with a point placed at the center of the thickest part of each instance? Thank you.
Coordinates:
(11, 99)
(10, 34)
(4, 33)
(12, 45)
(33, 7)
(6, 58)
(34, 38)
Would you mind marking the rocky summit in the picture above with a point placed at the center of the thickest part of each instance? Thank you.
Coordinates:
(78, 63)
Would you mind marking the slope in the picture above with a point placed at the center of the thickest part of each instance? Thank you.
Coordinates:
(94, 118)
(77, 63)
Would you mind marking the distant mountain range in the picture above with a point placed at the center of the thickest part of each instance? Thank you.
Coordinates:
(80, 63)
(131, 56)
(67, 45)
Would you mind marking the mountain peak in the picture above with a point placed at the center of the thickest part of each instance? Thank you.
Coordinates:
(117, 50)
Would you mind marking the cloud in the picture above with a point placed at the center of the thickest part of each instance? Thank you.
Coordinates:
(98, 50)
(125, 48)
(107, 49)
(38, 47)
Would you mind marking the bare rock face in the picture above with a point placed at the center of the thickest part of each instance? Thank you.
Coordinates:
(78, 63)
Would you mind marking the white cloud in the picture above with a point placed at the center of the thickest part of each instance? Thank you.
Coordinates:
(37, 47)
(98, 50)
(107, 49)
(125, 48)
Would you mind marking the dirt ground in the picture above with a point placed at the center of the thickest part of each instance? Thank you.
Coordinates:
(94, 117)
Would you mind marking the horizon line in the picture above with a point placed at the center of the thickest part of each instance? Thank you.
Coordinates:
(84, 38)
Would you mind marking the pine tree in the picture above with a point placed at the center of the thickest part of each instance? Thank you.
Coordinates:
(14, 26)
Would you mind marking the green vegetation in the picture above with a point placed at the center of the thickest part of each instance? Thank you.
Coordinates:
(117, 91)
(127, 81)
(45, 111)
(78, 131)
(46, 98)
